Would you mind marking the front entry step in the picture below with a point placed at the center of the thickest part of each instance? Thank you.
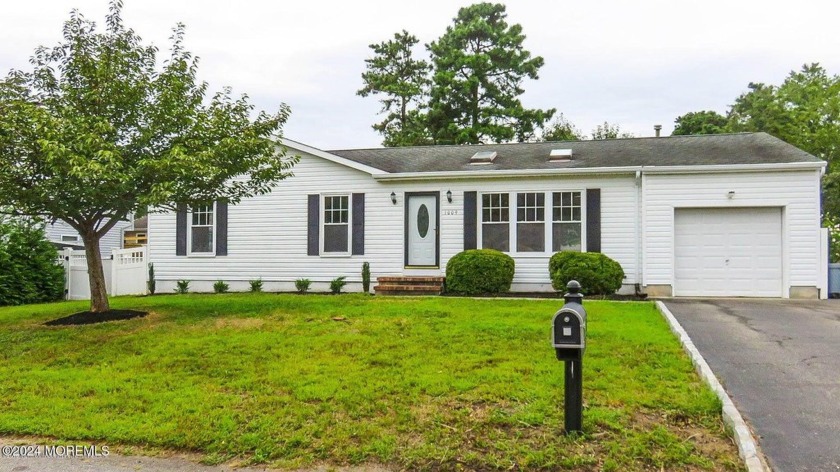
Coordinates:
(393, 285)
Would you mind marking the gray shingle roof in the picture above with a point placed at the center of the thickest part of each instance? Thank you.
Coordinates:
(741, 148)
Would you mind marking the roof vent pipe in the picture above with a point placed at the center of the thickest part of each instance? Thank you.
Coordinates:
(657, 128)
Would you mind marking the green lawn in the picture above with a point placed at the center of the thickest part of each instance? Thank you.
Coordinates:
(434, 383)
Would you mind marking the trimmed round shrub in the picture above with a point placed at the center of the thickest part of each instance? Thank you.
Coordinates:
(597, 273)
(479, 271)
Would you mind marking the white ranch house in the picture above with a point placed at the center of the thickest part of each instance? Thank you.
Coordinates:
(722, 215)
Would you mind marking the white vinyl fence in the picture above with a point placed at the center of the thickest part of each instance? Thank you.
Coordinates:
(125, 273)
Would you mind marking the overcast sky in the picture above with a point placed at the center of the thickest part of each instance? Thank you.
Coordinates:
(633, 63)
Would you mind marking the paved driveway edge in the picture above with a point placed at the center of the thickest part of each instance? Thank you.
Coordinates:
(747, 446)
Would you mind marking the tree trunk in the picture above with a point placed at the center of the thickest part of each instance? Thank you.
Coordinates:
(96, 276)
(403, 107)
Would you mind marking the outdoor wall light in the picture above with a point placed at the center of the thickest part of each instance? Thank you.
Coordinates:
(730, 195)
(449, 196)
(393, 198)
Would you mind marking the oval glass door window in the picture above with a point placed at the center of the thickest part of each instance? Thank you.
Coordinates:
(423, 221)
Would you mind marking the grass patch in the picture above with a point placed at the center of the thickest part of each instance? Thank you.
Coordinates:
(433, 383)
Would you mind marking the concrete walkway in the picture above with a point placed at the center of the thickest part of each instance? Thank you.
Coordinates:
(780, 362)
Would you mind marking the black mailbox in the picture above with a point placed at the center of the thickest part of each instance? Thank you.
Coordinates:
(569, 326)
(569, 340)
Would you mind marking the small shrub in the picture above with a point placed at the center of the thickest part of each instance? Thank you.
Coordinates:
(302, 285)
(479, 271)
(183, 286)
(366, 277)
(256, 285)
(220, 286)
(151, 282)
(597, 273)
(337, 284)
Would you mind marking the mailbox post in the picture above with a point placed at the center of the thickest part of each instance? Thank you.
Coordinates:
(569, 340)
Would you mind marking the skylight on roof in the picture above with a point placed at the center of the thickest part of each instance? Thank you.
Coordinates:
(483, 157)
(560, 155)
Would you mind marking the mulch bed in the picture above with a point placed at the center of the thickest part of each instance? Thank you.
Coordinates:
(614, 297)
(88, 317)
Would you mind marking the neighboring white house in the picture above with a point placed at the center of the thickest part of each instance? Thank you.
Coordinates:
(63, 235)
(722, 215)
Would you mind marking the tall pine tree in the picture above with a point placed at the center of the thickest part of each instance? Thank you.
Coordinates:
(403, 83)
(479, 67)
(468, 94)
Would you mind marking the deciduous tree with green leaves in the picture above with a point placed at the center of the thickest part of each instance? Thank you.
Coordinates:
(700, 122)
(561, 129)
(98, 130)
(804, 111)
(403, 82)
(609, 131)
(480, 65)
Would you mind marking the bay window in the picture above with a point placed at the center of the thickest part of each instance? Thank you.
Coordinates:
(546, 221)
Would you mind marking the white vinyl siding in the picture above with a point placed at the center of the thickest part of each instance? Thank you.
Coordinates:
(267, 235)
(795, 192)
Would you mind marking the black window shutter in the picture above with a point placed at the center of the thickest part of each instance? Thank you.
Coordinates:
(593, 220)
(221, 228)
(313, 241)
(358, 224)
(181, 230)
(470, 220)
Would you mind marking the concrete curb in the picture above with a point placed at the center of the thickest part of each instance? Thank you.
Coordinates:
(747, 446)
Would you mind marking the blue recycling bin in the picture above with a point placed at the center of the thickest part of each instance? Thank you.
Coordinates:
(834, 280)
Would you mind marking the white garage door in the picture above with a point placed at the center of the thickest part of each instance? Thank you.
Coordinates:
(728, 252)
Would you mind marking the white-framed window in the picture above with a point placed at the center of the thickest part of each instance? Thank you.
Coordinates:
(336, 225)
(567, 222)
(546, 222)
(530, 222)
(495, 221)
(69, 238)
(202, 229)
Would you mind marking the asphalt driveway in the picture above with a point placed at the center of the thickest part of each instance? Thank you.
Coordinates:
(780, 362)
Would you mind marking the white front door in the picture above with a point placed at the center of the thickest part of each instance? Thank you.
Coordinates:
(722, 252)
(422, 228)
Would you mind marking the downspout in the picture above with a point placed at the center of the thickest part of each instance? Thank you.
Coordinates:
(639, 231)
(640, 226)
